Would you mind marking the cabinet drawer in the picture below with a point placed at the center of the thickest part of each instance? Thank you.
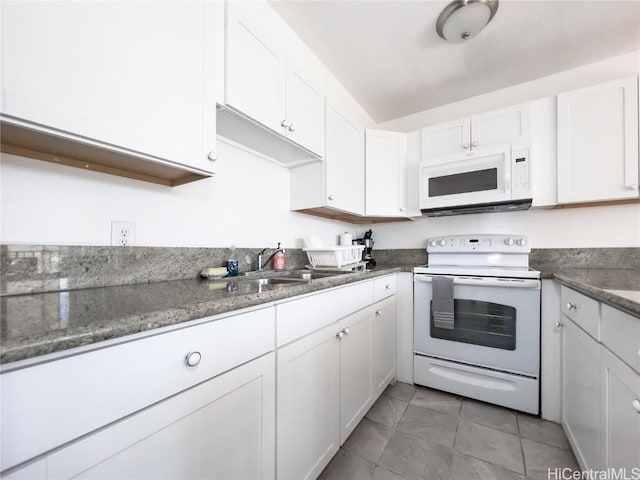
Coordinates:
(303, 316)
(621, 335)
(581, 309)
(50, 404)
(384, 287)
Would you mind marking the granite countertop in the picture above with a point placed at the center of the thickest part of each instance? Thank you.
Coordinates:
(42, 323)
(619, 288)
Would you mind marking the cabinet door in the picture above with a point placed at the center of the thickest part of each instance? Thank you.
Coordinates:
(620, 407)
(223, 428)
(356, 388)
(581, 394)
(385, 154)
(498, 127)
(344, 163)
(308, 405)
(254, 67)
(384, 344)
(446, 138)
(598, 142)
(135, 75)
(304, 111)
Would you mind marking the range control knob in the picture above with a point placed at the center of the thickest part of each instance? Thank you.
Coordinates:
(433, 243)
(442, 242)
(521, 242)
(509, 242)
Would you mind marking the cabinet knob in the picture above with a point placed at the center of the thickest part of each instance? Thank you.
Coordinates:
(192, 359)
(571, 306)
(402, 209)
(340, 334)
(633, 186)
(284, 123)
(330, 197)
(465, 146)
(559, 324)
(636, 405)
(212, 156)
(387, 286)
(291, 128)
(346, 330)
(378, 312)
(474, 144)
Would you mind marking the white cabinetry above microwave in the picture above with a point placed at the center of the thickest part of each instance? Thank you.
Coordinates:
(270, 104)
(598, 142)
(507, 125)
(138, 103)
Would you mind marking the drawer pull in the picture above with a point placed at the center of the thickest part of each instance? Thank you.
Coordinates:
(571, 306)
(193, 358)
(388, 286)
(378, 312)
(559, 324)
(636, 405)
(346, 330)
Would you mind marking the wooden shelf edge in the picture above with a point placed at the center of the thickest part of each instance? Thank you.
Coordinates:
(350, 218)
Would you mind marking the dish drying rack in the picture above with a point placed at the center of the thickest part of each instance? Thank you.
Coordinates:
(332, 258)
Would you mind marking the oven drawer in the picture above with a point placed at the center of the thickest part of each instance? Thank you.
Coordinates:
(511, 391)
(584, 311)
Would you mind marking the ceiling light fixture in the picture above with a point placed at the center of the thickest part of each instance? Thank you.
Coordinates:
(464, 19)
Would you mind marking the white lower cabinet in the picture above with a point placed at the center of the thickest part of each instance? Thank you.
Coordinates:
(581, 399)
(308, 404)
(222, 428)
(600, 383)
(356, 376)
(384, 344)
(620, 413)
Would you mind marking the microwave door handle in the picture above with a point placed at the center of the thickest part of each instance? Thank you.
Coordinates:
(486, 282)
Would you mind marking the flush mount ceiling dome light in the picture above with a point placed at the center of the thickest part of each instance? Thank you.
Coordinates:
(464, 19)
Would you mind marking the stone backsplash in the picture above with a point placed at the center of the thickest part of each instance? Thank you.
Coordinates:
(32, 269)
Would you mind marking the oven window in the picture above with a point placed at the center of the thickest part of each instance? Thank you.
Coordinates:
(480, 323)
(476, 181)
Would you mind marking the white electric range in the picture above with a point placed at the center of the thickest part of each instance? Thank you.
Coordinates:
(488, 346)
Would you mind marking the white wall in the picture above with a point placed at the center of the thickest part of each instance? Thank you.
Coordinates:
(612, 226)
(605, 226)
(246, 204)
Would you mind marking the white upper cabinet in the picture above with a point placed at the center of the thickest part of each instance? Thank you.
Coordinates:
(598, 142)
(303, 121)
(132, 76)
(386, 158)
(446, 138)
(254, 67)
(344, 163)
(264, 85)
(507, 125)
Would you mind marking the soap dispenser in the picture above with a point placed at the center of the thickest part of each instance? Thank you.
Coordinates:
(279, 259)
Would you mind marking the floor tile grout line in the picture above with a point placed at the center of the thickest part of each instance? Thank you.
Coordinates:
(524, 460)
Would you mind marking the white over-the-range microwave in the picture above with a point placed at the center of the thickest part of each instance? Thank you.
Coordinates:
(490, 179)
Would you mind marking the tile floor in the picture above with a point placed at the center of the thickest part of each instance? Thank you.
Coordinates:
(416, 433)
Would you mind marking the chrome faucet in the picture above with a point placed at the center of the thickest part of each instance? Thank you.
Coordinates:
(261, 264)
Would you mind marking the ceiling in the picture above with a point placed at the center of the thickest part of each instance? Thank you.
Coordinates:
(390, 58)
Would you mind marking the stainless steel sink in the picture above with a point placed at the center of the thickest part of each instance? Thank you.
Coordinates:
(274, 281)
(290, 275)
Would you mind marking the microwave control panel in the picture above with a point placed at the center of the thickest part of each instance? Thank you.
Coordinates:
(521, 173)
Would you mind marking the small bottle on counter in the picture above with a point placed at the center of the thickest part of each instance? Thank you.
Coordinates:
(346, 239)
(279, 261)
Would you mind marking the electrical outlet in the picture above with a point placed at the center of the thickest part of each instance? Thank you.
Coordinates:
(123, 234)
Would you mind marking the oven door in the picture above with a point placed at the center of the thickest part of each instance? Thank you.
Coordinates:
(458, 180)
(496, 323)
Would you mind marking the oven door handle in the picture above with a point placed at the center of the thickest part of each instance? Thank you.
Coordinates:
(486, 282)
